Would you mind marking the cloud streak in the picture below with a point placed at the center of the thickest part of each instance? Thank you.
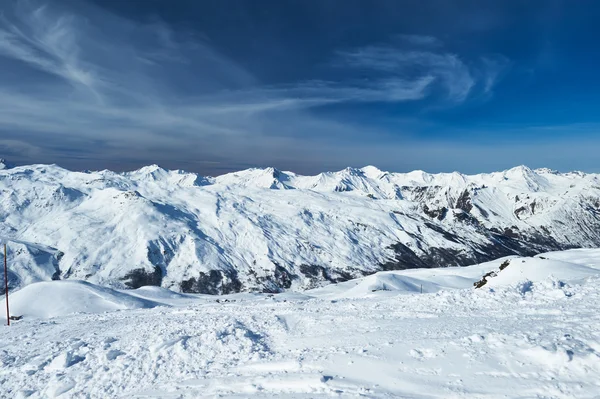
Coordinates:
(446, 70)
(46, 41)
(87, 78)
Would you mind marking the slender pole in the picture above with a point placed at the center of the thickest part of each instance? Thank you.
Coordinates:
(6, 287)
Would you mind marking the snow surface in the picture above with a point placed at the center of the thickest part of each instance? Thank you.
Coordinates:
(58, 298)
(532, 332)
(267, 230)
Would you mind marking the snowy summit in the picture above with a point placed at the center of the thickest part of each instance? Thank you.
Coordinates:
(266, 230)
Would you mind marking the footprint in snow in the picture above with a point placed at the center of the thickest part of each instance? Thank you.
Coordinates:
(108, 341)
(113, 354)
(63, 361)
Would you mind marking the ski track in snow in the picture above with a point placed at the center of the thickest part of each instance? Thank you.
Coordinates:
(527, 334)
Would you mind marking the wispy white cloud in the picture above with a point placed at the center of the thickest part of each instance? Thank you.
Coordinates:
(389, 89)
(493, 66)
(46, 41)
(311, 94)
(146, 86)
(447, 69)
(13, 146)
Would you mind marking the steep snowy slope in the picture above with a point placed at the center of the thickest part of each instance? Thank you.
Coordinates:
(268, 230)
(30, 263)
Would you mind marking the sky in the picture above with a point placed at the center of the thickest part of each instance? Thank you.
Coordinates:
(214, 86)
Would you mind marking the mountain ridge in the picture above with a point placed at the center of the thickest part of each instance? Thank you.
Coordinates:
(263, 229)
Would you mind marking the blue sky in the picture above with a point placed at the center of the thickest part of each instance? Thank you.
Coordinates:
(215, 86)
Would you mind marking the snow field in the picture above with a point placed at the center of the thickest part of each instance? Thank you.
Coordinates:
(531, 334)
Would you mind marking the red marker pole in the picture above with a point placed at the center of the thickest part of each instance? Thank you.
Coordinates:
(6, 287)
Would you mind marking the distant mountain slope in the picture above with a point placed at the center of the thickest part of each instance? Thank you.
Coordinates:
(269, 230)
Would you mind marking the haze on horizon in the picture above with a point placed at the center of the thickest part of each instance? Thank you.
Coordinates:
(306, 86)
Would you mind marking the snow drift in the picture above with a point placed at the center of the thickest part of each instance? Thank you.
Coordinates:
(60, 298)
(510, 271)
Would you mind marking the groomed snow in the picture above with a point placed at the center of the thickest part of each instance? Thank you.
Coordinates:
(531, 332)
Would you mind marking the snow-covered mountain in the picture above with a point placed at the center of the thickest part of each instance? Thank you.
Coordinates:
(269, 230)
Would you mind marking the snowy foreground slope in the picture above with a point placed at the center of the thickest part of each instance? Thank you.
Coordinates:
(533, 331)
(264, 230)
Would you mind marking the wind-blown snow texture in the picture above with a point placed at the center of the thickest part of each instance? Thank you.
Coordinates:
(533, 331)
(267, 230)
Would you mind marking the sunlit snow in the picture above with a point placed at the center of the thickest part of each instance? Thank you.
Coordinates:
(531, 332)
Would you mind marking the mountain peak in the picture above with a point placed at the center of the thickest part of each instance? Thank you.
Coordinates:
(153, 171)
(353, 171)
(520, 169)
(372, 172)
(4, 164)
(151, 168)
(274, 172)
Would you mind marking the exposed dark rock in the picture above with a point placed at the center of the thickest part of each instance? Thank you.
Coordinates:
(56, 263)
(483, 212)
(464, 202)
(519, 211)
(447, 235)
(141, 277)
(438, 214)
(466, 217)
(405, 258)
(419, 193)
(56, 275)
(339, 276)
(318, 274)
(501, 244)
(483, 281)
(508, 232)
(215, 282)
(439, 257)
(13, 283)
(283, 278)
(342, 187)
(280, 280)
(313, 271)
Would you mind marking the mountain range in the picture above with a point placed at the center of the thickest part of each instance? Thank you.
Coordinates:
(267, 230)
